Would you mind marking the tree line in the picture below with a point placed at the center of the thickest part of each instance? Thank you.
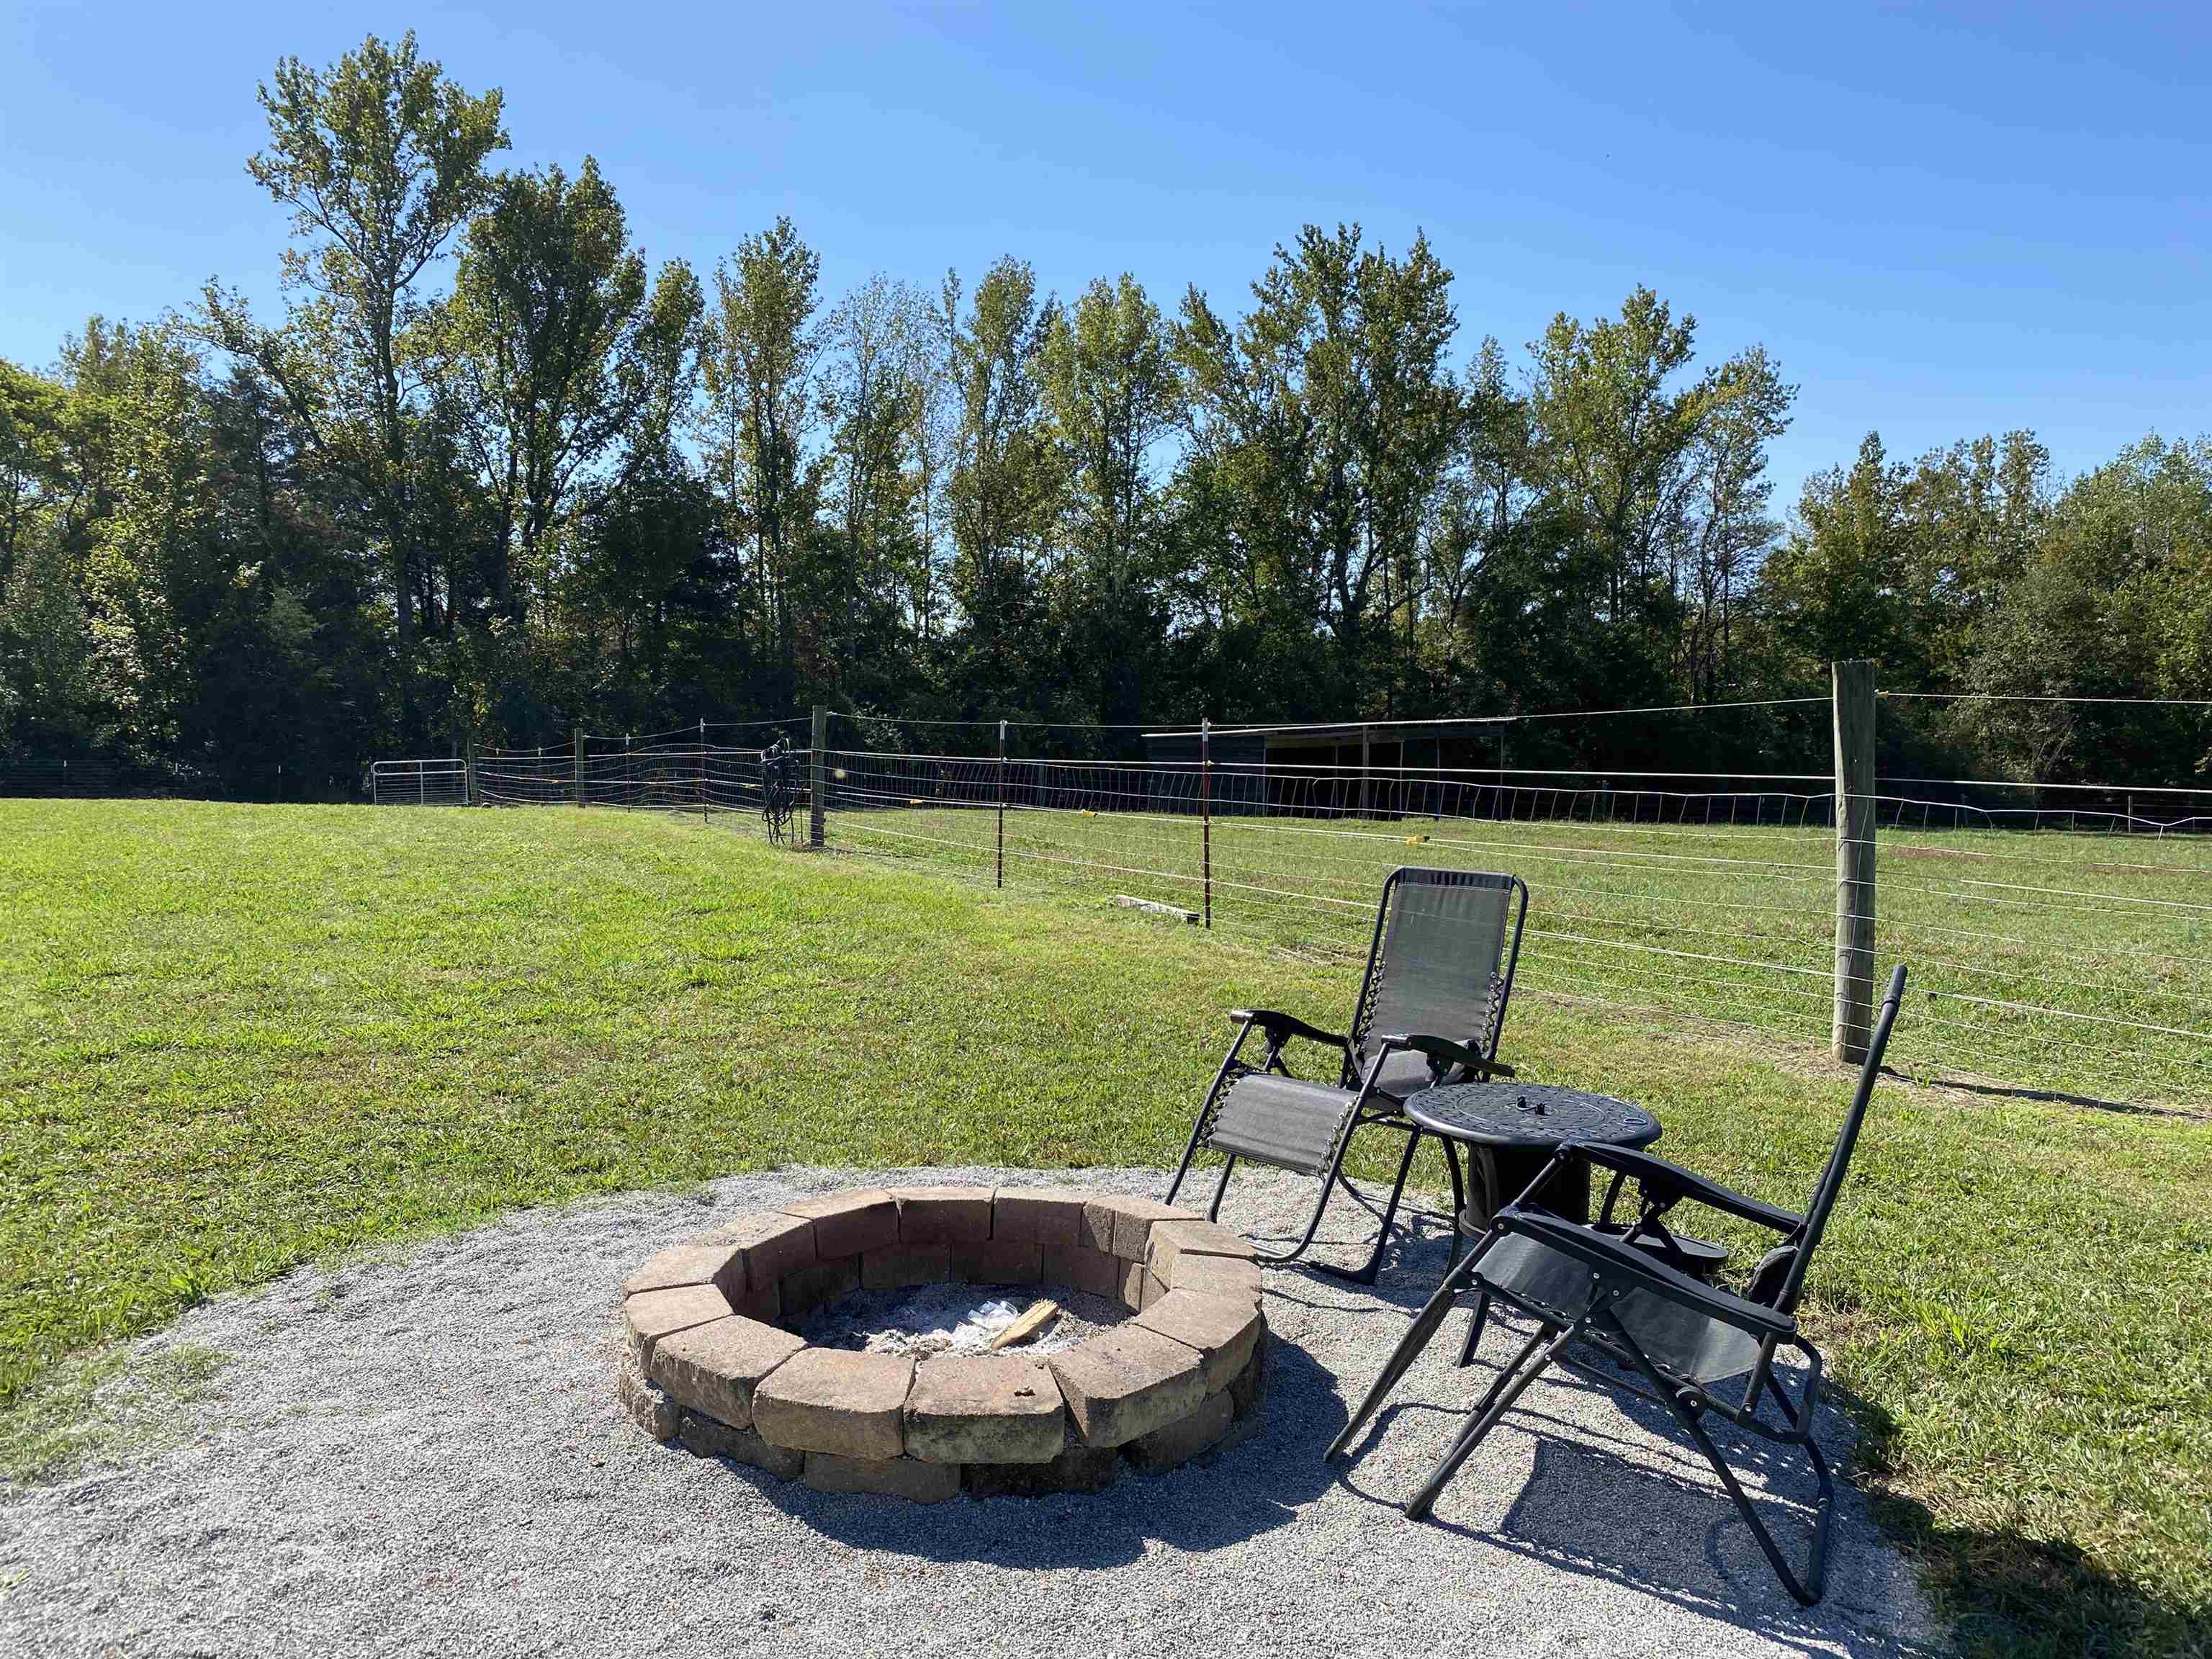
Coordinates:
(492, 474)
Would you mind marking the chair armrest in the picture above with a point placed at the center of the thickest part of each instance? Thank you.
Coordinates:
(1445, 1050)
(1672, 1182)
(1610, 1256)
(1279, 1026)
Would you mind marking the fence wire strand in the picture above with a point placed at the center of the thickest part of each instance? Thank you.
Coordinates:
(2065, 948)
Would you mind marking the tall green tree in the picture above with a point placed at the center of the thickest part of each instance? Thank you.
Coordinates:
(1320, 429)
(1112, 392)
(2111, 598)
(872, 352)
(1841, 584)
(1001, 486)
(1659, 471)
(47, 696)
(758, 360)
(381, 159)
(541, 357)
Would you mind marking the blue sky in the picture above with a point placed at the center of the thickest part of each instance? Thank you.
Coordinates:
(1940, 223)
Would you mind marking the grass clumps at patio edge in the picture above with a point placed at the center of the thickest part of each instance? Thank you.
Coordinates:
(233, 1038)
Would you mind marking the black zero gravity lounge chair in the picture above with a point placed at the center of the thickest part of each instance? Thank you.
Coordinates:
(1687, 1340)
(1431, 1008)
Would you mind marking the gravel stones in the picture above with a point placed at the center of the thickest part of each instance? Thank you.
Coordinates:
(420, 1450)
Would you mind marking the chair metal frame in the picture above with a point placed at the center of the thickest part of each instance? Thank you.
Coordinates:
(1617, 1268)
(1371, 1106)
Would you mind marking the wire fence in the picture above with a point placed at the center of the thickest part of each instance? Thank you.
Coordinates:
(704, 768)
(2067, 947)
(2062, 943)
(1639, 883)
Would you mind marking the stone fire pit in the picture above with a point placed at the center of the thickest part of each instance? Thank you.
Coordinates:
(713, 1361)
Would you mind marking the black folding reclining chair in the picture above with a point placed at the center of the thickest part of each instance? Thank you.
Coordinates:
(1432, 1009)
(1687, 1341)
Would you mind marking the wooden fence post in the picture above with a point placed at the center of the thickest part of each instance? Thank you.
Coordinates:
(702, 771)
(579, 766)
(1853, 698)
(468, 777)
(814, 777)
(1002, 802)
(1206, 811)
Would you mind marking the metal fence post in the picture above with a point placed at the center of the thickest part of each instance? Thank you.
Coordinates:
(1002, 802)
(1853, 699)
(579, 766)
(702, 770)
(1206, 811)
(814, 777)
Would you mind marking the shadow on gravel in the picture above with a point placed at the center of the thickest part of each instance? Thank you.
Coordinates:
(1666, 1531)
(1246, 1488)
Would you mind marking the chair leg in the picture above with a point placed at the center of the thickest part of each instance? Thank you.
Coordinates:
(1313, 1226)
(1190, 1147)
(1183, 1169)
(1806, 1591)
(1221, 1188)
(1451, 1168)
(1511, 1383)
(1367, 1274)
(1417, 1337)
(1474, 1331)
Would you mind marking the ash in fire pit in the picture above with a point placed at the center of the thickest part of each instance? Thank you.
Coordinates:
(957, 1319)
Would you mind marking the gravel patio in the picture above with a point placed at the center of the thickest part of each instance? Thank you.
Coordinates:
(421, 1451)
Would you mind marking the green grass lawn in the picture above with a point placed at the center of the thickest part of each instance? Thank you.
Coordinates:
(234, 1037)
(2026, 947)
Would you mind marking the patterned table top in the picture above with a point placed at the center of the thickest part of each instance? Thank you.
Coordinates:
(1529, 1115)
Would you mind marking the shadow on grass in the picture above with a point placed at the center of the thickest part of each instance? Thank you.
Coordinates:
(2004, 1594)
(1939, 1079)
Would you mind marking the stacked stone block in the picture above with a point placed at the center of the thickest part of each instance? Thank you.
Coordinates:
(711, 1363)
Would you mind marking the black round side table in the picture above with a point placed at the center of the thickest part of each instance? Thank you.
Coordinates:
(1512, 1129)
